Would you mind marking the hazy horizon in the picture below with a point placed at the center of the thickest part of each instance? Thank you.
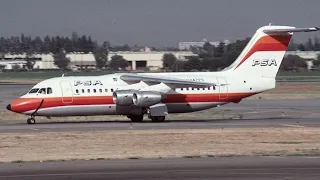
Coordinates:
(152, 22)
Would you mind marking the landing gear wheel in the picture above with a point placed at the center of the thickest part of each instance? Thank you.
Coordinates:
(158, 118)
(31, 120)
(136, 118)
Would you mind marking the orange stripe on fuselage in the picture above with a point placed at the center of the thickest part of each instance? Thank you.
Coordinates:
(28, 104)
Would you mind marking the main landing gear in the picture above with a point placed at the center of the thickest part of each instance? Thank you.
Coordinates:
(136, 118)
(157, 118)
(31, 120)
(139, 118)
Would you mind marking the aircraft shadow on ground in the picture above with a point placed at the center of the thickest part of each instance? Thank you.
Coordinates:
(172, 121)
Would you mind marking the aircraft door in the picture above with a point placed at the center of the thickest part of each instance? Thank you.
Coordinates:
(66, 88)
(223, 89)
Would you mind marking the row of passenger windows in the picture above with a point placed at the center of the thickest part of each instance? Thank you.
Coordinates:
(41, 90)
(111, 90)
(93, 90)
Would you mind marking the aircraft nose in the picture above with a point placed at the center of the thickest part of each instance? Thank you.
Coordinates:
(9, 107)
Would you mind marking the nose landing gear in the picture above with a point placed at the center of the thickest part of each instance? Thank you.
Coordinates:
(31, 120)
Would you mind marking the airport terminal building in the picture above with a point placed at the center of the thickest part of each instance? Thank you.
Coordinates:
(137, 60)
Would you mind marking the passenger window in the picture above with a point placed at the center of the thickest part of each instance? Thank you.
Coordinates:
(49, 91)
(77, 91)
(88, 90)
(111, 90)
(100, 90)
(106, 90)
(42, 91)
(94, 90)
(35, 90)
(82, 90)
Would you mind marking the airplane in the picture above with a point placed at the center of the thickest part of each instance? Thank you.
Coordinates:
(160, 94)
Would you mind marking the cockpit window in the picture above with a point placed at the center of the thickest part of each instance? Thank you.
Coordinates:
(49, 91)
(42, 91)
(35, 90)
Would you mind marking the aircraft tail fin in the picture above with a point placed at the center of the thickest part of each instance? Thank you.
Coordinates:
(264, 53)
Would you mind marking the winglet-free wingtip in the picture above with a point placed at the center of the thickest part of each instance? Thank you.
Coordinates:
(314, 28)
(284, 29)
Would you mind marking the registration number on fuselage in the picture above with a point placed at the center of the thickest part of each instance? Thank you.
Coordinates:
(88, 83)
(195, 79)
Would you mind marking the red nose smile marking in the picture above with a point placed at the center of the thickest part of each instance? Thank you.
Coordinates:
(21, 105)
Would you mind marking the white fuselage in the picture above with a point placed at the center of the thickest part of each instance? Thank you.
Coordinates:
(92, 95)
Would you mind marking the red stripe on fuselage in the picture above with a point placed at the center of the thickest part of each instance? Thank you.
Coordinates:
(28, 104)
(268, 43)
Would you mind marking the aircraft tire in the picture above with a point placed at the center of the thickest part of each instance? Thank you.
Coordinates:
(136, 118)
(31, 121)
(158, 118)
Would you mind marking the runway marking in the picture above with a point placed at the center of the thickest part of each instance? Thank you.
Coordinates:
(291, 125)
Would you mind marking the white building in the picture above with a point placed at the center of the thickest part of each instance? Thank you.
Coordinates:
(309, 55)
(151, 60)
(304, 54)
(137, 60)
(189, 44)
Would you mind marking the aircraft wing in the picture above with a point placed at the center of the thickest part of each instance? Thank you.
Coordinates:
(175, 82)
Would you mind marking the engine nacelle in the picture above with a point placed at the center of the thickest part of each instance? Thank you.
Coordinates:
(145, 99)
(123, 97)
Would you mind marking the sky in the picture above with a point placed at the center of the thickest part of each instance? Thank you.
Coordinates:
(156, 23)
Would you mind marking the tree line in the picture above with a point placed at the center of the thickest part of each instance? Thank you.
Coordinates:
(47, 44)
(312, 44)
(59, 46)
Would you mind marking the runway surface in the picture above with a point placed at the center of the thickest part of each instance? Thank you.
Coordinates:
(239, 168)
(179, 124)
